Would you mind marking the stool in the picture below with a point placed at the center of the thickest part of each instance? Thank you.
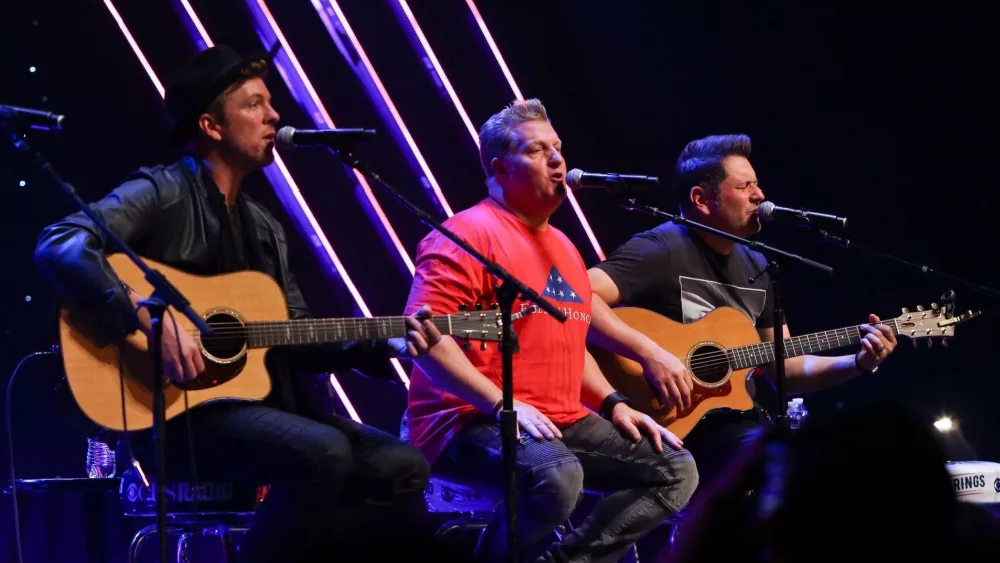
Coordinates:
(66, 519)
(203, 521)
(475, 510)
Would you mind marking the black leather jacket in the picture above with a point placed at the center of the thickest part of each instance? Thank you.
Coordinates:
(170, 214)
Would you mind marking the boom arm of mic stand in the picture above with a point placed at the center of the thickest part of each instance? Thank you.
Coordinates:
(631, 205)
(922, 268)
(164, 295)
(163, 289)
(491, 267)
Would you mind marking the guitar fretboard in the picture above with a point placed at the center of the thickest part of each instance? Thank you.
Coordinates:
(752, 355)
(265, 334)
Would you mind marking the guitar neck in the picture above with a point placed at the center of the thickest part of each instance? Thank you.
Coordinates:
(752, 355)
(267, 334)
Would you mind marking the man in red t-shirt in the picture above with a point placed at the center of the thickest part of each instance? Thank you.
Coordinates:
(455, 395)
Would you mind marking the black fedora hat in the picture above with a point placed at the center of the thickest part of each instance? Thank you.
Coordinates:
(196, 84)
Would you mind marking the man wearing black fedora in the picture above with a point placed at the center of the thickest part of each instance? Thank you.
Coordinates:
(331, 478)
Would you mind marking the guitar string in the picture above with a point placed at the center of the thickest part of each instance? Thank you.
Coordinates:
(281, 327)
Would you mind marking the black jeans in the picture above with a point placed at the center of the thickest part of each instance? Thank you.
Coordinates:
(335, 484)
(642, 487)
(720, 436)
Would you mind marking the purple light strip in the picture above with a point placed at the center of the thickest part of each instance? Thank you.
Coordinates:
(302, 89)
(417, 38)
(517, 93)
(338, 27)
(493, 47)
(135, 47)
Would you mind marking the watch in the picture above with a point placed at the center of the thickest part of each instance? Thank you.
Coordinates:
(609, 402)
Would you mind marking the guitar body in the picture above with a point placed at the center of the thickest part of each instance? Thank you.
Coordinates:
(698, 345)
(92, 363)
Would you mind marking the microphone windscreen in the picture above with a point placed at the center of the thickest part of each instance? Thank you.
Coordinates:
(283, 138)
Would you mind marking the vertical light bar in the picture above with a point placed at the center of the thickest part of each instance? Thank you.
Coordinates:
(290, 196)
(417, 37)
(339, 28)
(517, 94)
(302, 89)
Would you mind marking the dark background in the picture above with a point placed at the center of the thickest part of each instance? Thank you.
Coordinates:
(875, 111)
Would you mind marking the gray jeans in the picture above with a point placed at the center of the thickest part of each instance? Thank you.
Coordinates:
(641, 488)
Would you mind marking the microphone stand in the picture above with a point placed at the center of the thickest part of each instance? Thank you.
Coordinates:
(164, 295)
(922, 268)
(507, 293)
(777, 312)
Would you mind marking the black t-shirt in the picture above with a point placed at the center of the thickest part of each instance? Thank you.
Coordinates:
(672, 271)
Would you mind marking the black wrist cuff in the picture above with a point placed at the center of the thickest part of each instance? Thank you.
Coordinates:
(609, 402)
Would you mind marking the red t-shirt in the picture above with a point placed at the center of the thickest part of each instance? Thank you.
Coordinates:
(548, 368)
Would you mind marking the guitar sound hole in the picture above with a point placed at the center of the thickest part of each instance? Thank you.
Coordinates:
(228, 337)
(709, 364)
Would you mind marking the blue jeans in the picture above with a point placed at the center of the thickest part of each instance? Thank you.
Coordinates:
(641, 487)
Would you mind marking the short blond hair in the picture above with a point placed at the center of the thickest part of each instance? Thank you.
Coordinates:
(497, 139)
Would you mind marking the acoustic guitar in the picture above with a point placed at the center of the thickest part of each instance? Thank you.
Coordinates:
(722, 347)
(248, 315)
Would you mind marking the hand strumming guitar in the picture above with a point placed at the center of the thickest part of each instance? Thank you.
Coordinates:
(669, 377)
(182, 360)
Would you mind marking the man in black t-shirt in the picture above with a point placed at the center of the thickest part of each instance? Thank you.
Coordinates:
(683, 274)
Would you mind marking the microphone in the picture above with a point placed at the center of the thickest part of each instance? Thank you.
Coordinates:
(34, 118)
(289, 137)
(579, 180)
(770, 212)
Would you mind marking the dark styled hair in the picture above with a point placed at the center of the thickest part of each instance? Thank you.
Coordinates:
(700, 164)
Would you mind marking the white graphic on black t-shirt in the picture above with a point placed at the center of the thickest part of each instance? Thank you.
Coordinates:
(699, 297)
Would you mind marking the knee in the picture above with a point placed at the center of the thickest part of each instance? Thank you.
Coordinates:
(406, 470)
(680, 479)
(330, 458)
(554, 491)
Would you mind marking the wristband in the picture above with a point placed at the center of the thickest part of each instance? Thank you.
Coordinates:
(609, 402)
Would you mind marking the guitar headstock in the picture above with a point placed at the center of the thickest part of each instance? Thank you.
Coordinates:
(483, 325)
(937, 322)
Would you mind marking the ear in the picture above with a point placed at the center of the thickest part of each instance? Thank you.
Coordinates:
(210, 127)
(700, 199)
(498, 166)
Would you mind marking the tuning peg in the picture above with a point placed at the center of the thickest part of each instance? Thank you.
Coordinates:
(479, 306)
(482, 346)
(905, 310)
(495, 306)
(463, 307)
(466, 345)
(934, 305)
(930, 342)
(916, 343)
(944, 342)
(920, 307)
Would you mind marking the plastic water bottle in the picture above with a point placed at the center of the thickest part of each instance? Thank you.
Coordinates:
(796, 413)
(100, 459)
